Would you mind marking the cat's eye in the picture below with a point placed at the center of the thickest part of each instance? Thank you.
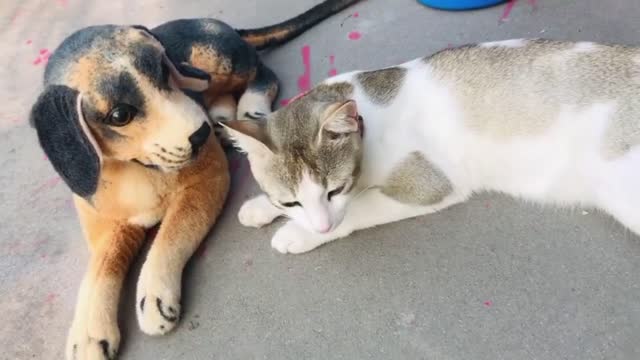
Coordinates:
(335, 136)
(290, 204)
(334, 192)
(121, 115)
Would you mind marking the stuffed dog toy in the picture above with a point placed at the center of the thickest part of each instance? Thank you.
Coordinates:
(123, 120)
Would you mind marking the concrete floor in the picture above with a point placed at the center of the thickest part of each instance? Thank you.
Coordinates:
(489, 279)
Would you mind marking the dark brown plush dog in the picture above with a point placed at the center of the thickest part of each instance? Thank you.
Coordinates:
(123, 119)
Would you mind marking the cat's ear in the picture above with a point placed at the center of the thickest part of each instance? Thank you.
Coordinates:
(341, 118)
(249, 136)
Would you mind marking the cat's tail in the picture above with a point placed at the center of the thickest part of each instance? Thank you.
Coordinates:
(278, 34)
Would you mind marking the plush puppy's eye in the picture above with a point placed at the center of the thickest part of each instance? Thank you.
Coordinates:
(290, 204)
(121, 115)
(335, 192)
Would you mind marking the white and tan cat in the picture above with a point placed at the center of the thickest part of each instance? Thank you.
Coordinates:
(548, 121)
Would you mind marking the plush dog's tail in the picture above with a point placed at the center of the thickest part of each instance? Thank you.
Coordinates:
(278, 34)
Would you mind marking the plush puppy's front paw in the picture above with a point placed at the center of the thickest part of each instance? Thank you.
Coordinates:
(253, 106)
(157, 301)
(98, 341)
(257, 212)
(293, 239)
(254, 115)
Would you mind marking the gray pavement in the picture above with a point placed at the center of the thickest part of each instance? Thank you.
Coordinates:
(490, 279)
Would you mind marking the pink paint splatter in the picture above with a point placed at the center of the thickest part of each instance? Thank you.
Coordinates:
(69, 204)
(49, 184)
(50, 298)
(15, 17)
(14, 246)
(43, 57)
(63, 3)
(41, 242)
(355, 35)
(53, 181)
(29, 42)
(354, 15)
(507, 10)
(332, 61)
(304, 81)
(488, 303)
(487, 205)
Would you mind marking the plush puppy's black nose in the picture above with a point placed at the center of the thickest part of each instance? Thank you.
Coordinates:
(198, 138)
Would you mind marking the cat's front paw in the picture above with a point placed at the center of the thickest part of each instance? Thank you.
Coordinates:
(158, 300)
(257, 212)
(98, 341)
(293, 239)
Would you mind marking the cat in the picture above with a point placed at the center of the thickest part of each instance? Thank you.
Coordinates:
(548, 121)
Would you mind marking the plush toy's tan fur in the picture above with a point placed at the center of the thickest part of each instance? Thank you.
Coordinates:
(188, 201)
(125, 119)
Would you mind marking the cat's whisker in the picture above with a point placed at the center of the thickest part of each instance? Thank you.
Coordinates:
(361, 192)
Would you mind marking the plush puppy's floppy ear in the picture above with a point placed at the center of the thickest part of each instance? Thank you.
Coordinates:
(186, 76)
(66, 138)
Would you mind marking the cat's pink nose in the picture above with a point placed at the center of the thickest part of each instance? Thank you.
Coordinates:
(324, 228)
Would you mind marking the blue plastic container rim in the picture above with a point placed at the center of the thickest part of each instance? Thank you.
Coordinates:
(460, 4)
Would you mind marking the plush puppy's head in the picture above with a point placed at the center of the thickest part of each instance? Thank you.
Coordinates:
(111, 92)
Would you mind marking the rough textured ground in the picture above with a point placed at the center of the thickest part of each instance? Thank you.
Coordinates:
(490, 279)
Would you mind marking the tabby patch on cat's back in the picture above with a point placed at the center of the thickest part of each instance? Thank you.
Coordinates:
(416, 180)
(518, 72)
(382, 86)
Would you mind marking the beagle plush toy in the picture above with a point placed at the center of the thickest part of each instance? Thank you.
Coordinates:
(123, 120)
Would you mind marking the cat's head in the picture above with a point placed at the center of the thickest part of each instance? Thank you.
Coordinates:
(306, 158)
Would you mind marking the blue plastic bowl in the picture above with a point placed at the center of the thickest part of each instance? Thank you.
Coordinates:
(460, 4)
